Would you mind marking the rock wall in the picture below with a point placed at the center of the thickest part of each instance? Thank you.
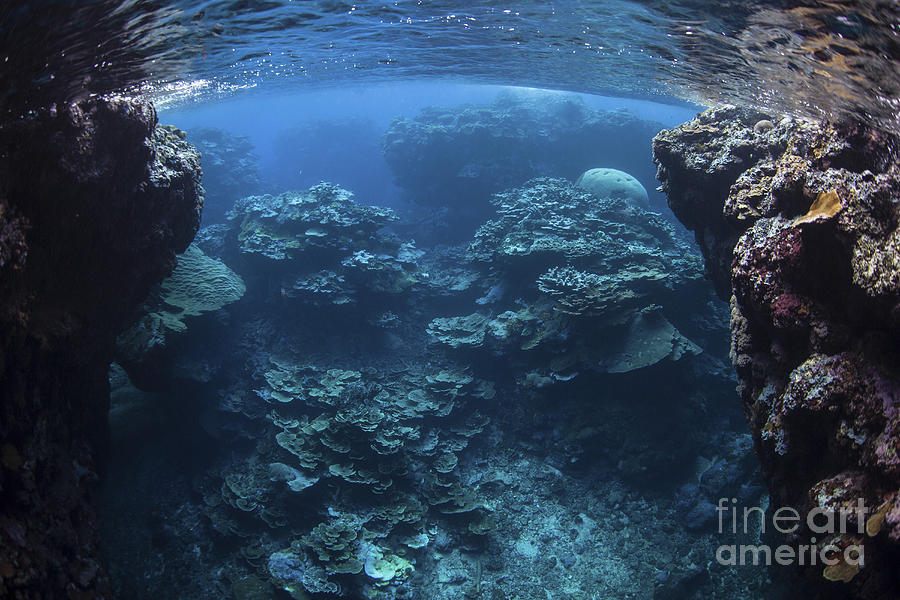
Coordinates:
(95, 200)
(798, 222)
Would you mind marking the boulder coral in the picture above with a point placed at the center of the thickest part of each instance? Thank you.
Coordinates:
(612, 183)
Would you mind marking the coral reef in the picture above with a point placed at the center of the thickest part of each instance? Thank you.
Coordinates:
(95, 201)
(351, 441)
(373, 455)
(594, 275)
(344, 248)
(325, 216)
(198, 285)
(378, 420)
(457, 157)
(397, 439)
(799, 226)
(460, 331)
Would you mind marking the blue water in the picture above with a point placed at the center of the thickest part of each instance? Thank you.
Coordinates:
(335, 134)
(819, 59)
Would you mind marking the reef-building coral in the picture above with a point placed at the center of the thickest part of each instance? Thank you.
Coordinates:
(459, 331)
(325, 216)
(650, 338)
(386, 449)
(343, 247)
(581, 264)
(199, 285)
(612, 183)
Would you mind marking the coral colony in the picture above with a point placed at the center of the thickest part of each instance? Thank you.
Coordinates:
(486, 391)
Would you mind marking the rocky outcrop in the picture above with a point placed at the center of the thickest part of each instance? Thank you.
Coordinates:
(95, 200)
(798, 222)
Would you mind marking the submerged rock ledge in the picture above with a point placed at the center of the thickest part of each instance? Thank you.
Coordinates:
(798, 223)
(95, 201)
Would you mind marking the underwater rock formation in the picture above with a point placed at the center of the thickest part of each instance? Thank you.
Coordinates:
(799, 226)
(95, 201)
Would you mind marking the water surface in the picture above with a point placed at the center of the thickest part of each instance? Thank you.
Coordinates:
(816, 58)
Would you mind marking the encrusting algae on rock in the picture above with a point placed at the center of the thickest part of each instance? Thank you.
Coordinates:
(814, 309)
